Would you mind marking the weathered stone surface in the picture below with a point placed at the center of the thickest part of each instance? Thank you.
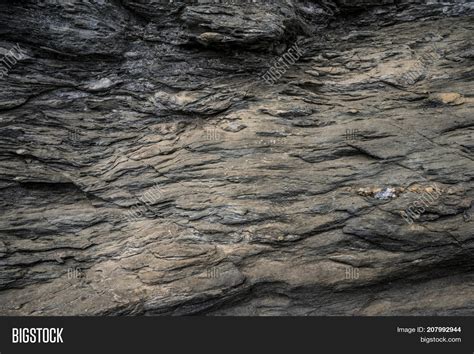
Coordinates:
(147, 168)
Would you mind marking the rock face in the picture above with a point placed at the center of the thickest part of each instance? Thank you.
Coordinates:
(148, 168)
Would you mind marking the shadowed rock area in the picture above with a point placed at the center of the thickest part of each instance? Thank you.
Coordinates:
(148, 165)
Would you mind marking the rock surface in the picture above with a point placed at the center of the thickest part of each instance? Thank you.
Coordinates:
(146, 168)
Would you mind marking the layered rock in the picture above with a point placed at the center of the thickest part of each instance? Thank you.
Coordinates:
(147, 168)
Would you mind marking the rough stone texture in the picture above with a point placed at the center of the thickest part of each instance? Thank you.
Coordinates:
(254, 199)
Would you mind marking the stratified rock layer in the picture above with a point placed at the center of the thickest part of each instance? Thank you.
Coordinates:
(146, 168)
